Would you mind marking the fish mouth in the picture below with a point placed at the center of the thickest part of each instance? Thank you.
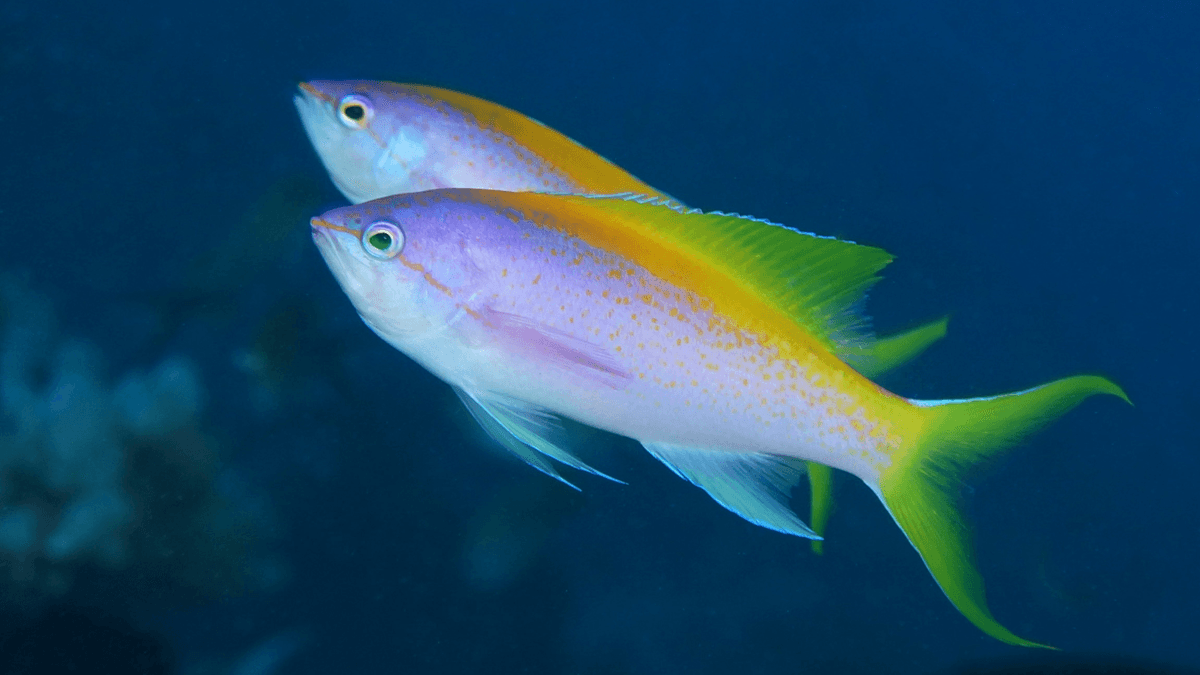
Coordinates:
(314, 119)
(315, 109)
(318, 232)
(338, 251)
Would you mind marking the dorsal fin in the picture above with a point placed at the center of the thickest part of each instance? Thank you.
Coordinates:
(741, 263)
(820, 282)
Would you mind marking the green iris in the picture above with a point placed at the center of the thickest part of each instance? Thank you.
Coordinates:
(380, 240)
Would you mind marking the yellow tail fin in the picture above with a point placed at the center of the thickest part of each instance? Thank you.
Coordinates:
(918, 488)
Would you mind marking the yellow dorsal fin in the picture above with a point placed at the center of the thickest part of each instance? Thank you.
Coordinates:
(817, 282)
(594, 173)
(820, 282)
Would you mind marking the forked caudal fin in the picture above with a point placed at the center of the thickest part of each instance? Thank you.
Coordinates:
(918, 488)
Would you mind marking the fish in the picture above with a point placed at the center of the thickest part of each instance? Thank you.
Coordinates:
(378, 139)
(716, 341)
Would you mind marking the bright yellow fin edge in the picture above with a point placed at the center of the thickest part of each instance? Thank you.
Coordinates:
(918, 489)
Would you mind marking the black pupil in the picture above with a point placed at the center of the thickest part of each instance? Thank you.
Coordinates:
(354, 112)
(381, 240)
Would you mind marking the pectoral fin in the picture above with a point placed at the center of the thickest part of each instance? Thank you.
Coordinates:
(755, 486)
(548, 346)
(525, 431)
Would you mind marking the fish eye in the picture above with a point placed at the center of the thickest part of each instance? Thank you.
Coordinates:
(355, 111)
(382, 240)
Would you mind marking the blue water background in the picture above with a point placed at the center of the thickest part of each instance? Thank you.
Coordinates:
(1034, 167)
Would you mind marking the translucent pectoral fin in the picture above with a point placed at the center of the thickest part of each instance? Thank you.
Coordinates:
(548, 346)
(755, 486)
(525, 431)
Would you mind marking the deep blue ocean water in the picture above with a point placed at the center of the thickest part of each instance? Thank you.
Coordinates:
(1034, 166)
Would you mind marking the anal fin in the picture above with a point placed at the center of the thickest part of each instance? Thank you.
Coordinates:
(755, 486)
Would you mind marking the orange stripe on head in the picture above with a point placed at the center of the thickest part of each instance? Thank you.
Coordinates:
(429, 279)
(414, 266)
(313, 91)
(326, 225)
